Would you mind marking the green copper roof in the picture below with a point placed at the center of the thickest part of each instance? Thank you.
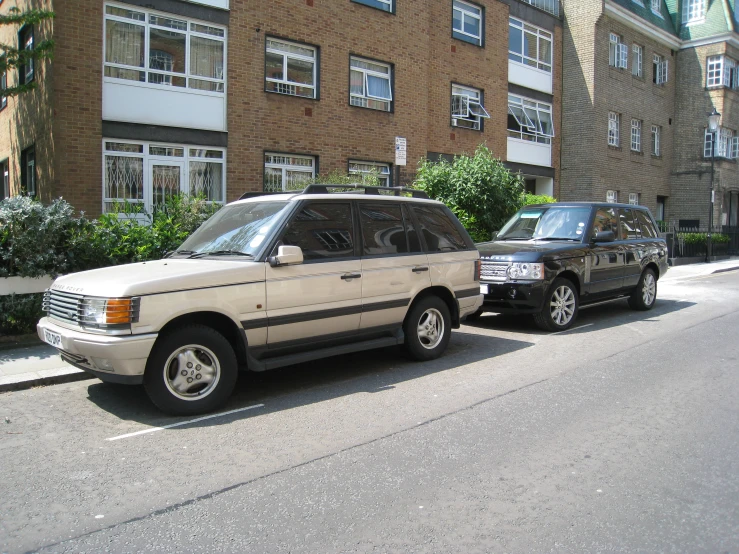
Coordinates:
(645, 12)
(717, 22)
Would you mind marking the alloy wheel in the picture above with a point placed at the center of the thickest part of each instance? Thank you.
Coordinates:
(192, 372)
(562, 305)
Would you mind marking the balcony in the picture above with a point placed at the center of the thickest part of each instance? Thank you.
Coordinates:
(529, 152)
(551, 6)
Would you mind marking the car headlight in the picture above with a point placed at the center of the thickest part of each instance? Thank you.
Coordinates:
(526, 271)
(104, 312)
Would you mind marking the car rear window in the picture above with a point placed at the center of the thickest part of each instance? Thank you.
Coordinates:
(382, 229)
(645, 225)
(438, 229)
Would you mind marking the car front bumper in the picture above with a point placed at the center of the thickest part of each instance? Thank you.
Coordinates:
(525, 297)
(115, 359)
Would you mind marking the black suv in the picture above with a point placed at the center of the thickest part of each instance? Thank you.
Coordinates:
(551, 258)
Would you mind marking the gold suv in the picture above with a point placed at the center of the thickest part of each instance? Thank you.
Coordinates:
(269, 281)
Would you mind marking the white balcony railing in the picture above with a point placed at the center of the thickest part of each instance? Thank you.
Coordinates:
(551, 6)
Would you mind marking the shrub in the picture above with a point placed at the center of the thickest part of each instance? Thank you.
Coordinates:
(701, 238)
(19, 313)
(529, 199)
(479, 189)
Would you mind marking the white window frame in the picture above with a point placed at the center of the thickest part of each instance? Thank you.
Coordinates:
(284, 85)
(636, 135)
(187, 158)
(466, 9)
(694, 11)
(286, 162)
(5, 176)
(30, 170)
(634, 198)
(656, 138)
(612, 196)
(383, 171)
(734, 153)
(618, 52)
(470, 107)
(656, 7)
(3, 86)
(365, 100)
(637, 56)
(659, 67)
(724, 144)
(215, 33)
(540, 36)
(530, 114)
(614, 129)
(29, 65)
(714, 71)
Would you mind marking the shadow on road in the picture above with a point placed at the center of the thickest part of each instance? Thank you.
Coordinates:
(308, 383)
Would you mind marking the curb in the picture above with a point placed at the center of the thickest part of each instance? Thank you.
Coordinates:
(725, 270)
(7, 384)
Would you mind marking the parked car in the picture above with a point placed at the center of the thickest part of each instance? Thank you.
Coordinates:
(550, 259)
(269, 281)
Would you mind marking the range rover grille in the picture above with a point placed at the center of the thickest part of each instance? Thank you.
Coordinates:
(63, 306)
(494, 271)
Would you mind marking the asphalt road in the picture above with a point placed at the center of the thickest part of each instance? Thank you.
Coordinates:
(621, 435)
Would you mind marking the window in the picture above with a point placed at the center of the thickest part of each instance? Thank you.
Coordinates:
(637, 55)
(721, 70)
(694, 10)
(287, 172)
(614, 126)
(438, 229)
(384, 5)
(605, 220)
(659, 70)
(645, 227)
(370, 84)
(529, 120)
(618, 52)
(529, 45)
(727, 145)
(628, 229)
(612, 196)
(467, 22)
(657, 7)
(26, 70)
(636, 135)
(291, 68)
(144, 175)
(383, 229)
(661, 203)
(467, 108)
(28, 171)
(3, 86)
(656, 136)
(149, 48)
(379, 170)
(634, 198)
(323, 231)
(5, 175)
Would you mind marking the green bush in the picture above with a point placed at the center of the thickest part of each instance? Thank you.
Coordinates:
(701, 238)
(479, 189)
(19, 313)
(529, 199)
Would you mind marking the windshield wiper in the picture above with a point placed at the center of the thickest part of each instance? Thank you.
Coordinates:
(219, 253)
(513, 238)
(558, 238)
(170, 254)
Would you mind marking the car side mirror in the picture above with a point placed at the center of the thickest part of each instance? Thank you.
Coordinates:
(286, 255)
(604, 236)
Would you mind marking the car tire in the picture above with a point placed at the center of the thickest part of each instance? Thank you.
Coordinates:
(560, 306)
(644, 296)
(191, 370)
(474, 316)
(427, 328)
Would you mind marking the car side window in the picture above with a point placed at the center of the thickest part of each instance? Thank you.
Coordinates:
(626, 220)
(606, 219)
(438, 230)
(323, 231)
(414, 241)
(645, 225)
(382, 229)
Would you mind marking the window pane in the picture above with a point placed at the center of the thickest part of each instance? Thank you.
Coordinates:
(272, 179)
(206, 85)
(356, 82)
(206, 57)
(322, 231)
(202, 153)
(414, 242)
(515, 40)
(207, 30)
(124, 147)
(168, 22)
(647, 229)
(628, 230)
(165, 182)
(378, 87)
(605, 220)
(383, 231)
(121, 12)
(206, 178)
(438, 230)
(299, 71)
(167, 50)
(471, 25)
(529, 46)
(124, 43)
(130, 74)
(457, 20)
(545, 51)
(124, 178)
(274, 66)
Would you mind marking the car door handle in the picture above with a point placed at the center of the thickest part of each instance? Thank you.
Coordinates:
(350, 276)
(419, 269)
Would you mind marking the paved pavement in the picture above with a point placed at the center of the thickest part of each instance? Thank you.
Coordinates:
(37, 365)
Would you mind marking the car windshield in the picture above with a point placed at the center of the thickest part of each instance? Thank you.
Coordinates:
(546, 223)
(237, 230)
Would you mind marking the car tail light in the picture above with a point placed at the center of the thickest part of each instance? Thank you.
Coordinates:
(478, 269)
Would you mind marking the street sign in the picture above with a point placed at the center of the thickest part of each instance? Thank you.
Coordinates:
(400, 150)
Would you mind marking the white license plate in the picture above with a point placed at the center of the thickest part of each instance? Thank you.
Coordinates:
(54, 339)
(484, 289)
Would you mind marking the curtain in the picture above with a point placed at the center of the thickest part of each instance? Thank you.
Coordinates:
(378, 87)
(206, 57)
(124, 43)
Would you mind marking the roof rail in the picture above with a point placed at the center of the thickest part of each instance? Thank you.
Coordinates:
(255, 194)
(323, 189)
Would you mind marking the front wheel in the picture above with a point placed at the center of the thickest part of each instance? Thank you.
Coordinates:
(560, 306)
(427, 328)
(192, 370)
(645, 294)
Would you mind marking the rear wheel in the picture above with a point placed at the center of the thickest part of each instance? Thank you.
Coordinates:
(645, 294)
(427, 328)
(192, 370)
(560, 306)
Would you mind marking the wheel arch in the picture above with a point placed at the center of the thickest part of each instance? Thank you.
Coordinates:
(446, 295)
(654, 267)
(573, 278)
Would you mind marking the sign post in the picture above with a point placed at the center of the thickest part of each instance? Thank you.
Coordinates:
(401, 146)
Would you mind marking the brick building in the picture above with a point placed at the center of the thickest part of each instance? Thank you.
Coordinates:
(640, 77)
(145, 98)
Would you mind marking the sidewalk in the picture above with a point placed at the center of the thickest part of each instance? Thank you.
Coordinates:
(39, 364)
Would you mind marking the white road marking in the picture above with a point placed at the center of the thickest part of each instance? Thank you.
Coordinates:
(573, 329)
(155, 429)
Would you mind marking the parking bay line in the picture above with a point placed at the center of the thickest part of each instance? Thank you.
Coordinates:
(181, 423)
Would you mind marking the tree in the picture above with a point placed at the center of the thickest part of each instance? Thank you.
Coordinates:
(12, 57)
(479, 189)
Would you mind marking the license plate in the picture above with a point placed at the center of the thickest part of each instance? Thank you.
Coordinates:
(54, 339)
(484, 289)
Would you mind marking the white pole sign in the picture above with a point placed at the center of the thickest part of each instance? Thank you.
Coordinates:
(400, 150)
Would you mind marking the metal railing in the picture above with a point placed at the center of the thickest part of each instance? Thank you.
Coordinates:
(551, 6)
(687, 242)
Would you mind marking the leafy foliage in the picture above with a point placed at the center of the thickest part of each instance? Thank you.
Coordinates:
(529, 199)
(19, 313)
(337, 177)
(701, 238)
(479, 189)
